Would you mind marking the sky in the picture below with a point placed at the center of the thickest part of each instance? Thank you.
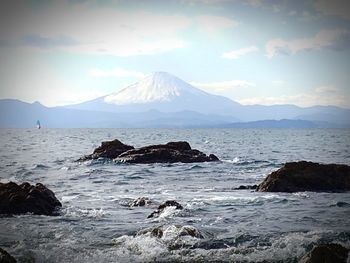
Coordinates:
(254, 51)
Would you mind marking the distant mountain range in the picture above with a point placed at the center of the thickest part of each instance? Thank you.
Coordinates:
(163, 100)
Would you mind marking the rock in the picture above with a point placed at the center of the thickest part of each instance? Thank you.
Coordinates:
(108, 149)
(141, 201)
(26, 198)
(308, 176)
(246, 187)
(6, 257)
(171, 152)
(177, 230)
(326, 253)
(160, 209)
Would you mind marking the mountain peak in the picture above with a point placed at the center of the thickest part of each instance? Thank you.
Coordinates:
(157, 87)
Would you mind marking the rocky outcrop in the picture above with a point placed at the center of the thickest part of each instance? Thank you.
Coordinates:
(162, 207)
(326, 253)
(26, 198)
(141, 201)
(6, 257)
(108, 149)
(171, 152)
(308, 176)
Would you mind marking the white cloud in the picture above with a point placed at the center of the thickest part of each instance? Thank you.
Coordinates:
(279, 82)
(320, 96)
(337, 39)
(213, 24)
(93, 29)
(334, 7)
(326, 89)
(116, 72)
(234, 54)
(222, 87)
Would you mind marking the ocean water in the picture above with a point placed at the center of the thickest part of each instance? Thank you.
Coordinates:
(96, 224)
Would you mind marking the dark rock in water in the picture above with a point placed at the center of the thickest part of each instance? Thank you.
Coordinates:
(6, 257)
(190, 231)
(308, 176)
(179, 231)
(171, 152)
(24, 198)
(327, 253)
(108, 149)
(141, 201)
(161, 208)
(246, 187)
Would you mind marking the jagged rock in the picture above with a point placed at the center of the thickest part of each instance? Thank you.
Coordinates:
(171, 152)
(308, 176)
(178, 230)
(326, 253)
(141, 201)
(5, 257)
(161, 208)
(24, 198)
(108, 149)
(246, 187)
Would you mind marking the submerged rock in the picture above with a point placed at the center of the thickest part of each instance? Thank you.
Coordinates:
(161, 208)
(172, 230)
(26, 198)
(246, 187)
(108, 149)
(171, 152)
(308, 176)
(326, 253)
(5, 257)
(141, 201)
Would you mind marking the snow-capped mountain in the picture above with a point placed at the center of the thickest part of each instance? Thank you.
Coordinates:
(158, 87)
(163, 92)
(160, 91)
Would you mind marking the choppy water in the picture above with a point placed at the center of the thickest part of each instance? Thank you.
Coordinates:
(96, 225)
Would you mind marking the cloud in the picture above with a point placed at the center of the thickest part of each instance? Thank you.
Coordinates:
(325, 96)
(326, 89)
(45, 42)
(338, 39)
(234, 54)
(213, 24)
(279, 82)
(94, 29)
(222, 87)
(116, 72)
(334, 7)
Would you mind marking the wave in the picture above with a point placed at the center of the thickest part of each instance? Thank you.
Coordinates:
(234, 160)
(72, 212)
(242, 247)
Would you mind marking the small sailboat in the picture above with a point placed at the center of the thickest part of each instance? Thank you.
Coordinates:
(38, 125)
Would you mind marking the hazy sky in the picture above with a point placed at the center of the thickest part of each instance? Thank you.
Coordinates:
(256, 51)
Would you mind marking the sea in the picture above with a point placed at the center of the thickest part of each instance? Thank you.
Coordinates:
(96, 223)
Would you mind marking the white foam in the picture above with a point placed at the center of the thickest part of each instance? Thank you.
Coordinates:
(234, 160)
(81, 212)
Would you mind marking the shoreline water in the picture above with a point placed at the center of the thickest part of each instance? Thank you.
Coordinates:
(95, 225)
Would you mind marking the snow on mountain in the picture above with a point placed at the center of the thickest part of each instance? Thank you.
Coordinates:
(158, 87)
(163, 92)
(166, 93)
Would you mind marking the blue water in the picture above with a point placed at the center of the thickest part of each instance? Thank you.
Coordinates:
(96, 225)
